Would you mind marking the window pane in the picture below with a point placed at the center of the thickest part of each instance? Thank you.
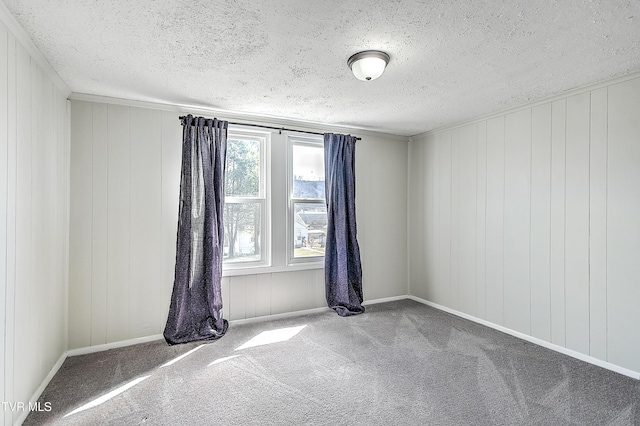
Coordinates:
(242, 176)
(308, 171)
(309, 229)
(242, 231)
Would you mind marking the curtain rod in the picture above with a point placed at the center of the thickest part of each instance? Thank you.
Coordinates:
(281, 129)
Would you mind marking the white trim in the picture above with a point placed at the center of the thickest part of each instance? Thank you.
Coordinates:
(36, 395)
(23, 38)
(534, 340)
(263, 198)
(548, 99)
(384, 300)
(264, 318)
(255, 270)
(237, 116)
(311, 142)
(130, 342)
(307, 311)
(274, 317)
(121, 344)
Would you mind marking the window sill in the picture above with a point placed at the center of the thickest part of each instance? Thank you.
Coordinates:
(271, 269)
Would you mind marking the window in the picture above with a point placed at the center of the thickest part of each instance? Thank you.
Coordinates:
(246, 212)
(307, 218)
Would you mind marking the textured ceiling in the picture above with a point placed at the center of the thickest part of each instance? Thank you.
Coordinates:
(450, 60)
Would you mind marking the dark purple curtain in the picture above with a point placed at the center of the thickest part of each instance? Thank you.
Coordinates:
(342, 267)
(195, 312)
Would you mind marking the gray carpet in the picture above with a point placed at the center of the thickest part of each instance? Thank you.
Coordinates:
(399, 363)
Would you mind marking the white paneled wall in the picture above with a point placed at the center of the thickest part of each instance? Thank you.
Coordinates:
(530, 220)
(34, 167)
(125, 176)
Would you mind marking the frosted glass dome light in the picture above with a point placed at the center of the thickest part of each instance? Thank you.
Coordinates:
(368, 65)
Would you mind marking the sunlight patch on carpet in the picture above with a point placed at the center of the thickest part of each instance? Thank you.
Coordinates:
(219, 360)
(104, 398)
(272, 336)
(181, 356)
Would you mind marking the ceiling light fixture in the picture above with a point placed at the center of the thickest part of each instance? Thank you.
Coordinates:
(368, 65)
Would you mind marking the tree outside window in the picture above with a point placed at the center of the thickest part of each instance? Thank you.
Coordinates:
(244, 200)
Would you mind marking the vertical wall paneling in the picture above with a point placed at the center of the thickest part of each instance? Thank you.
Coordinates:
(554, 212)
(145, 219)
(279, 294)
(47, 212)
(4, 199)
(320, 295)
(577, 223)
(517, 221)
(373, 223)
(416, 211)
(558, 153)
(598, 225)
(118, 222)
(420, 204)
(467, 216)
(623, 226)
(389, 163)
(23, 224)
(312, 290)
(251, 302)
(171, 164)
(99, 246)
(224, 286)
(32, 218)
(60, 206)
(442, 288)
(427, 264)
(494, 228)
(364, 191)
(366, 164)
(37, 198)
(237, 297)
(263, 294)
(10, 312)
(377, 222)
(297, 283)
(541, 221)
(133, 177)
(454, 290)
(288, 292)
(63, 198)
(243, 297)
(80, 238)
(433, 280)
(23, 220)
(481, 220)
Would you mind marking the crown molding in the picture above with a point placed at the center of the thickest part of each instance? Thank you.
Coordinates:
(241, 117)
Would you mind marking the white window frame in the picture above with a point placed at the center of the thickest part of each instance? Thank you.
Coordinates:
(311, 261)
(263, 198)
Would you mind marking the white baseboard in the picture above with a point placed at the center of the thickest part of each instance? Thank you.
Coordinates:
(384, 299)
(273, 317)
(99, 348)
(534, 340)
(539, 342)
(43, 385)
